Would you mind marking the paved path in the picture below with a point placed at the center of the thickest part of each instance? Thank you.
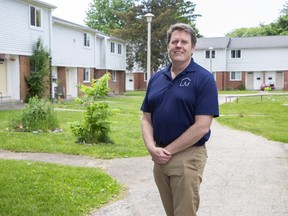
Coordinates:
(246, 175)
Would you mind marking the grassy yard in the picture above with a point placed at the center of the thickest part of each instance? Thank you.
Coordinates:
(38, 189)
(125, 134)
(30, 188)
(268, 118)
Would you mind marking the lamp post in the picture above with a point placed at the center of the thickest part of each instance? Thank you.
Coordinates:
(149, 17)
(210, 56)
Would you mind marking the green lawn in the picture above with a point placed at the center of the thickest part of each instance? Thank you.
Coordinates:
(41, 189)
(125, 134)
(29, 188)
(268, 118)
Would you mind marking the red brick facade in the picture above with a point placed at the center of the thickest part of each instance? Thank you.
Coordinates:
(24, 65)
(139, 83)
(224, 83)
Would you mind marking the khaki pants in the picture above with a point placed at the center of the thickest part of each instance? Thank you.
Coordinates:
(179, 180)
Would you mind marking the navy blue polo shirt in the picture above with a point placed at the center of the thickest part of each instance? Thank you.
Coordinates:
(173, 103)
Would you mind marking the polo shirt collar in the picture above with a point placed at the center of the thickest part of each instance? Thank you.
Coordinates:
(189, 69)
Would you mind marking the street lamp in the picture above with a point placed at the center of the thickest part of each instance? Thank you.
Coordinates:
(149, 17)
(210, 56)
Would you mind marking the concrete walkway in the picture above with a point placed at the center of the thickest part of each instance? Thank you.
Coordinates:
(246, 175)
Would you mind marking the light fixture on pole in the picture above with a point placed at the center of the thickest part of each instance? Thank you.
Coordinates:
(210, 56)
(149, 17)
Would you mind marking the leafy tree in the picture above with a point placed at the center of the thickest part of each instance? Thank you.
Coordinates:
(38, 81)
(134, 31)
(102, 14)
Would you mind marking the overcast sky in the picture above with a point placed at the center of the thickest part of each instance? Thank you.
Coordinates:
(218, 16)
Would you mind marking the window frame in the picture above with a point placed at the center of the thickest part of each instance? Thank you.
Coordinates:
(112, 47)
(119, 49)
(35, 17)
(86, 75)
(114, 76)
(236, 54)
(207, 54)
(87, 40)
(237, 76)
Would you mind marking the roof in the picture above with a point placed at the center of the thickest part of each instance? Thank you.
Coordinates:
(259, 42)
(278, 41)
(216, 43)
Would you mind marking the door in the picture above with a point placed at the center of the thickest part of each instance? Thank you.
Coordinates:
(3, 78)
(258, 80)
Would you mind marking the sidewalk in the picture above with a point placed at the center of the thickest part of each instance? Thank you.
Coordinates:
(246, 175)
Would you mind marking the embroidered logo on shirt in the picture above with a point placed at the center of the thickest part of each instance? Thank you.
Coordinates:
(185, 82)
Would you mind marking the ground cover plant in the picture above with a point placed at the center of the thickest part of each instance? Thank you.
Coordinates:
(31, 188)
(267, 118)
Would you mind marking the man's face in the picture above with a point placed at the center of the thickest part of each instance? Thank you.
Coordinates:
(180, 47)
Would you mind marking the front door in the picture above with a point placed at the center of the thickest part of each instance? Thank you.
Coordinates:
(3, 78)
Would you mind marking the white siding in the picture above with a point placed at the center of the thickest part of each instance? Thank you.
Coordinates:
(68, 47)
(16, 35)
(259, 60)
(217, 64)
(100, 53)
(115, 61)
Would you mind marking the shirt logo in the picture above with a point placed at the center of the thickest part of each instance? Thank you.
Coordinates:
(185, 82)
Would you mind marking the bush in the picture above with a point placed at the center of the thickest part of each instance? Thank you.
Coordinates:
(95, 126)
(38, 115)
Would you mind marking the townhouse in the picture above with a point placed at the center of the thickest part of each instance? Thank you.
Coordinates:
(237, 63)
(248, 62)
(78, 53)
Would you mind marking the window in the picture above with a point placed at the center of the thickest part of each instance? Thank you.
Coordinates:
(235, 53)
(35, 17)
(114, 76)
(86, 75)
(207, 54)
(86, 40)
(235, 76)
(112, 47)
(119, 49)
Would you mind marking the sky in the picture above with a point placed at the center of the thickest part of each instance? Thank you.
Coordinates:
(218, 16)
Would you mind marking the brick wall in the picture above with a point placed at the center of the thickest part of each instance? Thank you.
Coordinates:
(24, 64)
(139, 83)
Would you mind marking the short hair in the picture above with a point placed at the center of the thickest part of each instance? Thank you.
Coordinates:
(182, 27)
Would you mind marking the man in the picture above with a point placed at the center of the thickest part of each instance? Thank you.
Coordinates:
(180, 103)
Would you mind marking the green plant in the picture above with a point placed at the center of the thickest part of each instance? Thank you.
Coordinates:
(38, 115)
(95, 126)
(38, 81)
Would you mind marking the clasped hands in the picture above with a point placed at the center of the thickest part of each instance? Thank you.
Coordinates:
(160, 155)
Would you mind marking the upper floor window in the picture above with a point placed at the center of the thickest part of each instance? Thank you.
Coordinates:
(208, 52)
(119, 49)
(35, 17)
(235, 53)
(86, 40)
(112, 47)
(113, 76)
(86, 75)
(235, 76)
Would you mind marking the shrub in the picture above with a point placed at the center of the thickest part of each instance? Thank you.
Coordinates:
(95, 126)
(38, 115)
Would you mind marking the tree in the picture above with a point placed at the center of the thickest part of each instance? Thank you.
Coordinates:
(38, 81)
(102, 14)
(134, 31)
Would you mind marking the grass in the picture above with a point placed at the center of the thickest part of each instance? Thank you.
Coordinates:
(32, 188)
(29, 188)
(125, 134)
(267, 118)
